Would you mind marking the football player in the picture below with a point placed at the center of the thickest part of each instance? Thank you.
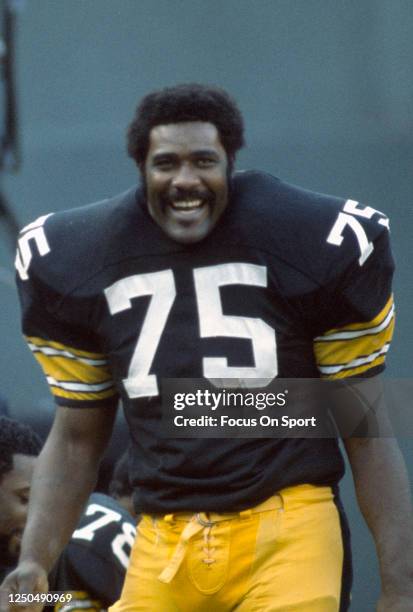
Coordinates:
(202, 272)
(92, 566)
(19, 447)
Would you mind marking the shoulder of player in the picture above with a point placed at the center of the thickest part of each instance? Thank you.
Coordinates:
(320, 233)
(98, 542)
(101, 521)
(105, 502)
(75, 239)
(85, 228)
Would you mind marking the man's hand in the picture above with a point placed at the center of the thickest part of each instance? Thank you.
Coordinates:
(395, 603)
(27, 578)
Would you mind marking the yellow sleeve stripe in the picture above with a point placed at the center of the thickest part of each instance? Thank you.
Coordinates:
(53, 352)
(363, 369)
(42, 344)
(64, 369)
(351, 353)
(365, 362)
(344, 351)
(379, 322)
(79, 387)
(80, 600)
(74, 374)
(83, 396)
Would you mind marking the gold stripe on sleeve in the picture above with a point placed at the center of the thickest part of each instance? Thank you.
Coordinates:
(73, 373)
(355, 349)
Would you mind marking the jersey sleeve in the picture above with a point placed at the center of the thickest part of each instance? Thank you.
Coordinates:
(357, 316)
(69, 354)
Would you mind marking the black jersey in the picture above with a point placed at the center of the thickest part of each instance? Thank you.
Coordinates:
(290, 283)
(92, 567)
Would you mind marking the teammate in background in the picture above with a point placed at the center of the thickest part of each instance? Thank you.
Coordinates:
(19, 447)
(92, 566)
(203, 272)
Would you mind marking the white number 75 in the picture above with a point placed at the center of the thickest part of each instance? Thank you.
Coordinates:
(347, 219)
(212, 323)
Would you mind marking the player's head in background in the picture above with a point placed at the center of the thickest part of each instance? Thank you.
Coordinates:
(184, 140)
(120, 487)
(19, 447)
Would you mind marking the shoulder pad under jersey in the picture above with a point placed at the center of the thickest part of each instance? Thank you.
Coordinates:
(317, 234)
(62, 250)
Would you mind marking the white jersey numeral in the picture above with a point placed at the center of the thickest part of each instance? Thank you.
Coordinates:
(212, 322)
(88, 531)
(336, 235)
(161, 286)
(347, 218)
(32, 232)
(124, 541)
(121, 543)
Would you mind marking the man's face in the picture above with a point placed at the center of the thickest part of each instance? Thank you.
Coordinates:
(186, 179)
(14, 496)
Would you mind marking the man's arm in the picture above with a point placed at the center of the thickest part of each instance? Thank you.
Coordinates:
(64, 477)
(384, 497)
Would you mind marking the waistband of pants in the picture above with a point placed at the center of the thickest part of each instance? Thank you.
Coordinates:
(199, 521)
(211, 518)
(280, 500)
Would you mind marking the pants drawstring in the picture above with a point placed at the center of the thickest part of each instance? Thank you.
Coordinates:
(190, 530)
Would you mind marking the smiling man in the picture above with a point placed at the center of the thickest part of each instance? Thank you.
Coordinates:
(19, 447)
(203, 272)
(186, 178)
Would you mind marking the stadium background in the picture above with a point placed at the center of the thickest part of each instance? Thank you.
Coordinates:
(326, 89)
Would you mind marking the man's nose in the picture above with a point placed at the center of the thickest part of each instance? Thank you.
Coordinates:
(186, 178)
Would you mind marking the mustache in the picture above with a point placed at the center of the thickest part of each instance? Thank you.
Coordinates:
(176, 194)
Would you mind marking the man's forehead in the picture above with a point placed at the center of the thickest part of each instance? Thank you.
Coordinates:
(191, 134)
(22, 471)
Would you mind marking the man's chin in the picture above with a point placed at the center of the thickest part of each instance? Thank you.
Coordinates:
(188, 234)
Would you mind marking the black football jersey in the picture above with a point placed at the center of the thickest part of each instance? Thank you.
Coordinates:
(92, 567)
(290, 283)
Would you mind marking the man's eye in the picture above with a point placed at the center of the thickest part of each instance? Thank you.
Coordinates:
(163, 164)
(206, 162)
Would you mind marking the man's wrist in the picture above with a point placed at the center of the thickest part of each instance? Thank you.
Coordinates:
(31, 562)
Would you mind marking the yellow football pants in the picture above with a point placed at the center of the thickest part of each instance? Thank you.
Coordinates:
(284, 555)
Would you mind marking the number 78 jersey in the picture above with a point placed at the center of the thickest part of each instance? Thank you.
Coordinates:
(290, 283)
(93, 565)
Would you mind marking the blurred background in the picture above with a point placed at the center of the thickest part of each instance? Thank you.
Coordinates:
(326, 89)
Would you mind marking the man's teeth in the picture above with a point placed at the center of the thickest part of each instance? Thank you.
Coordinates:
(187, 204)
